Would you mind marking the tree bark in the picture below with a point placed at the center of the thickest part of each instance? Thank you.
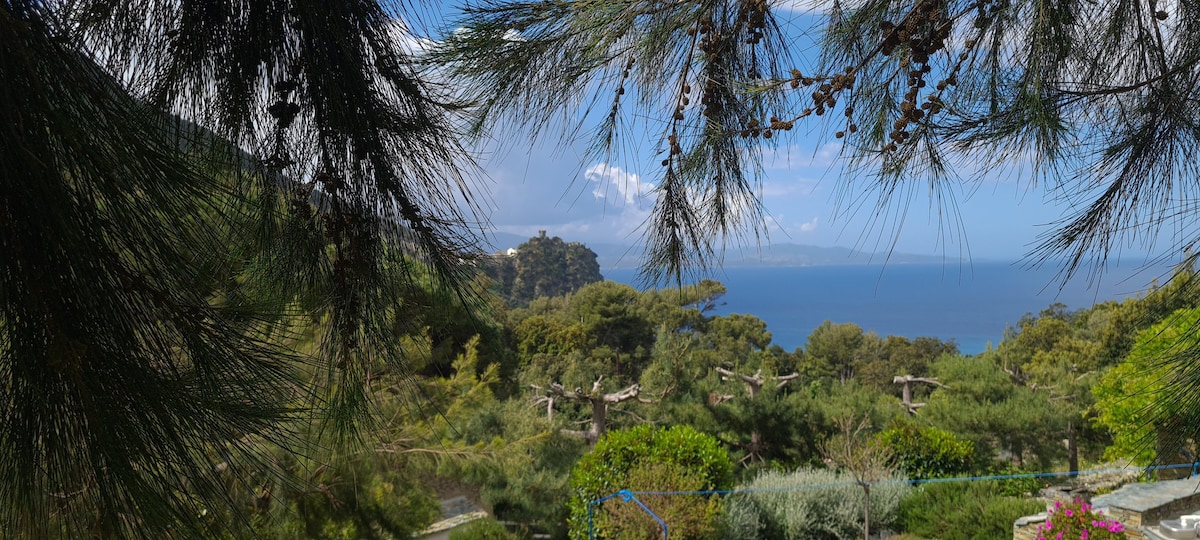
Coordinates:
(906, 390)
(1072, 449)
(599, 402)
(866, 511)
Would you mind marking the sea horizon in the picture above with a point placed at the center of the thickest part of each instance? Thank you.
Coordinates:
(972, 304)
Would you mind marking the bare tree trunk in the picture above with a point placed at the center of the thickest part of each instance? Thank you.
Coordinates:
(1072, 449)
(599, 420)
(867, 460)
(866, 511)
(598, 400)
(906, 393)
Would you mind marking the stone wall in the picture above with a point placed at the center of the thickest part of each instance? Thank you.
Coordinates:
(1026, 528)
(1146, 504)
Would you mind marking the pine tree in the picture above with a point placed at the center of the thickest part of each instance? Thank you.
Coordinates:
(1092, 101)
(180, 181)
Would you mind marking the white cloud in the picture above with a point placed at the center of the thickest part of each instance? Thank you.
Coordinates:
(803, 7)
(612, 181)
(629, 193)
(513, 36)
(809, 226)
(408, 40)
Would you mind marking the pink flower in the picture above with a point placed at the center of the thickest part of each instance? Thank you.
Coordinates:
(1070, 519)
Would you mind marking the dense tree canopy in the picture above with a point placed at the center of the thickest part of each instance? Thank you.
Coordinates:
(155, 269)
(1134, 399)
(227, 228)
(544, 266)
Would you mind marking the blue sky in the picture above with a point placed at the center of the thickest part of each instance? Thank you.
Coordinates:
(539, 186)
(546, 185)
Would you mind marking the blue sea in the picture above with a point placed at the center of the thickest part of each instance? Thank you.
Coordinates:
(971, 304)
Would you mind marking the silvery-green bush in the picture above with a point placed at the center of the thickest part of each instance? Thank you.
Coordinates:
(810, 504)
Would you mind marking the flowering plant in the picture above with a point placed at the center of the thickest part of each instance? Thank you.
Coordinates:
(1078, 520)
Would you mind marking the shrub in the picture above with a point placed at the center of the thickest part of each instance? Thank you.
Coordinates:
(963, 511)
(482, 529)
(926, 452)
(647, 459)
(687, 516)
(743, 519)
(1017, 482)
(815, 504)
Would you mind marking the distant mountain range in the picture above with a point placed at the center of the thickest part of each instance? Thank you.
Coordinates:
(782, 254)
